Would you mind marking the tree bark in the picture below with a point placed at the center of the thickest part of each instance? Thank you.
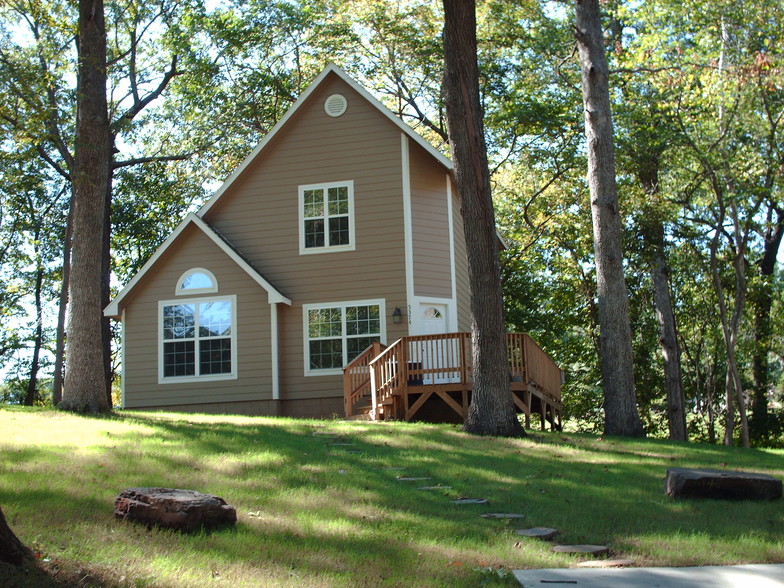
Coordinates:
(653, 231)
(32, 381)
(59, 356)
(12, 550)
(85, 381)
(762, 302)
(620, 405)
(671, 351)
(492, 410)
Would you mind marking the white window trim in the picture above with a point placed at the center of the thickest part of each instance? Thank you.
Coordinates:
(211, 377)
(301, 216)
(179, 291)
(382, 313)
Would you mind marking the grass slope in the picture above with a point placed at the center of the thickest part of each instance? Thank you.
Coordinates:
(316, 512)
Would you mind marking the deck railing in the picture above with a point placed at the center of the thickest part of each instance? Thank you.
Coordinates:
(376, 375)
(541, 370)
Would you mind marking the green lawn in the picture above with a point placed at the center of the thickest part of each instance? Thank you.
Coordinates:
(312, 513)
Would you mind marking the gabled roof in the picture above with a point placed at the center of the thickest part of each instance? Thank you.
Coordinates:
(273, 295)
(331, 68)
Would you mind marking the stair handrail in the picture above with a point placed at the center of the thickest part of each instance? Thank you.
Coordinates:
(357, 377)
(386, 372)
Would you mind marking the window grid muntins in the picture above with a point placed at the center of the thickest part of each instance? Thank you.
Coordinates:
(201, 329)
(326, 216)
(339, 334)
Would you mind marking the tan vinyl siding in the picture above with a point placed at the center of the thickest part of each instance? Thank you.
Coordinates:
(253, 347)
(462, 284)
(259, 213)
(430, 226)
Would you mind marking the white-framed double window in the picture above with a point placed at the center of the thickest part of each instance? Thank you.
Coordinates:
(326, 222)
(197, 339)
(337, 332)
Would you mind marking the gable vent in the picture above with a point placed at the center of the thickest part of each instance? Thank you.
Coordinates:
(335, 105)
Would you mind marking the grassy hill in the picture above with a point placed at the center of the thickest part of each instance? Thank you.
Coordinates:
(320, 504)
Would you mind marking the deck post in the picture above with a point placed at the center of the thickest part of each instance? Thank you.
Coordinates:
(403, 375)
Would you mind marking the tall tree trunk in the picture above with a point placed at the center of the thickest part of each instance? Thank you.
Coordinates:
(32, 381)
(12, 550)
(671, 351)
(653, 230)
(59, 356)
(762, 301)
(106, 272)
(620, 403)
(492, 410)
(85, 381)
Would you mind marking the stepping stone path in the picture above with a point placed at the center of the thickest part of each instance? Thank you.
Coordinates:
(470, 501)
(582, 549)
(172, 508)
(502, 515)
(543, 533)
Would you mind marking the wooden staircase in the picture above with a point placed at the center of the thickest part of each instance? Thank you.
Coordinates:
(396, 381)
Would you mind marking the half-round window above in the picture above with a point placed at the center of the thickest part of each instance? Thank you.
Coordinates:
(197, 281)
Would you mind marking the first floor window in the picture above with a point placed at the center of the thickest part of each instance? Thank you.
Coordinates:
(336, 334)
(197, 338)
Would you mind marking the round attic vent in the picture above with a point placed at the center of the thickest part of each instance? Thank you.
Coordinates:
(335, 105)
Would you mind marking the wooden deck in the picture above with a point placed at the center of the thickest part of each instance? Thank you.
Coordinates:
(408, 377)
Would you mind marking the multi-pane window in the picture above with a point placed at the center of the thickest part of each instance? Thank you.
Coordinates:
(338, 333)
(197, 338)
(326, 217)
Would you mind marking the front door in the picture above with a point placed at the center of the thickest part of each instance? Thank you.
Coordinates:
(439, 354)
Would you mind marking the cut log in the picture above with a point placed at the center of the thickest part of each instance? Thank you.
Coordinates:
(12, 550)
(182, 510)
(721, 484)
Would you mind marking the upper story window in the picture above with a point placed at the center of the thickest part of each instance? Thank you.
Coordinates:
(197, 281)
(326, 217)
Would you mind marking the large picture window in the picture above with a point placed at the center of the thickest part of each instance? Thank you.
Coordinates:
(326, 217)
(337, 333)
(198, 339)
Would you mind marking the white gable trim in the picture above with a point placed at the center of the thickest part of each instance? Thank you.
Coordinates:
(331, 68)
(273, 296)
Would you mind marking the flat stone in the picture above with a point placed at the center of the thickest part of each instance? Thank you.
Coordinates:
(606, 563)
(502, 515)
(343, 444)
(582, 549)
(171, 508)
(434, 488)
(412, 478)
(543, 533)
(470, 501)
(721, 484)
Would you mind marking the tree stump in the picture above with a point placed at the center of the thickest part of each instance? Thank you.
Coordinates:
(182, 510)
(12, 550)
(721, 484)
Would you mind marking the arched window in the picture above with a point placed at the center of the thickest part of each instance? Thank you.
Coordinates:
(197, 281)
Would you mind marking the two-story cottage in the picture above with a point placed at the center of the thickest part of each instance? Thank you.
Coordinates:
(341, 228)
